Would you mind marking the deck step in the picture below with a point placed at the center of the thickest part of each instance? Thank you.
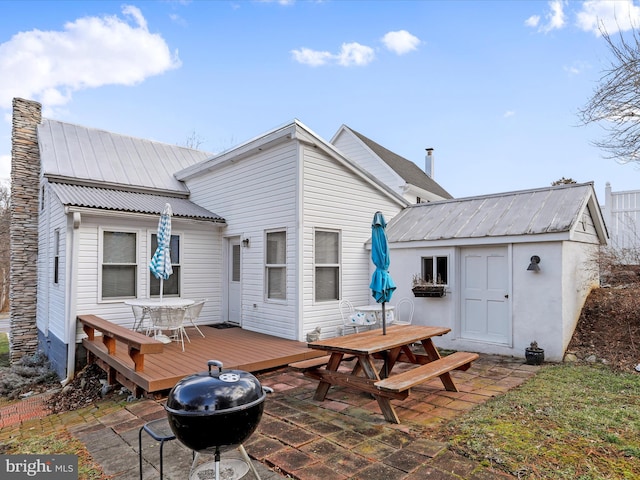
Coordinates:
(410, 378)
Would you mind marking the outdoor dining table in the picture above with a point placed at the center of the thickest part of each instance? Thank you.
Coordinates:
(395, 346)
(148, 303)
(373, 313)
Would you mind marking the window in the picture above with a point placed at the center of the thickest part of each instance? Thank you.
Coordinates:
(435, 270)
(56, 256)
(327, 265)
(170, 286)
(276, 265)
(119, 265)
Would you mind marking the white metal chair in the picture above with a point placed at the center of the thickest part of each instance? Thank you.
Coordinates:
(169, 319)
(403, 312)
(350, 317)
(193, 312)
(140, 315)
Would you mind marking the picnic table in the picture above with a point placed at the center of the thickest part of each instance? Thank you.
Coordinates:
(395, 346)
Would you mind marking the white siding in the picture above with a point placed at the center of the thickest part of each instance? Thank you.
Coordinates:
(200, 265)
(336, 199)
(253, 195)
(51, 297)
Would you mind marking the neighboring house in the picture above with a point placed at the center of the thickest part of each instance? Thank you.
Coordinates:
(621, 212)
(285, 244)
(482, 247)
(404, 176)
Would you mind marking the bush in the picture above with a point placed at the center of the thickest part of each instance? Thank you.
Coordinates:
(30, 373)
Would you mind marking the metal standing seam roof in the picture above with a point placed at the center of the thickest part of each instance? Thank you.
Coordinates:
(408, 170)
(124, 201)
(89, 154)
(528, 212)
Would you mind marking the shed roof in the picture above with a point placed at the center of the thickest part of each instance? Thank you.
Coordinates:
(92, 155)
(528, 212)
(123, 201)
(408, 170)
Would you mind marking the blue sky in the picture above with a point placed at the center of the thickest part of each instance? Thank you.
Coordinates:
(492, 86)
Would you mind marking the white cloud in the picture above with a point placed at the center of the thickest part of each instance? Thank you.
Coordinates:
(533, 21)
(355, 54)
(5, 167)
(90, 52)
(310, 57)
(612, 15)
(400, 42)
(554, 19)
(509, 113)
(576, 68)
(350, 54)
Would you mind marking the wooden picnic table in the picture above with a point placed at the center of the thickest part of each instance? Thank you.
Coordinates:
(395, 346)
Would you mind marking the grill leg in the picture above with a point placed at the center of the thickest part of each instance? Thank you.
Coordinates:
(249, 462)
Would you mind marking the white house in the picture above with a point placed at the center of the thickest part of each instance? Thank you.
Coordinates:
(271, 232)
(482, 247)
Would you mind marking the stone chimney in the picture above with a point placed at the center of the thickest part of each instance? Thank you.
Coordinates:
(429, 162)
(25, 181)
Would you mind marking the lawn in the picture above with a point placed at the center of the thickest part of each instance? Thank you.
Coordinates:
(577, 422)
(4, 350)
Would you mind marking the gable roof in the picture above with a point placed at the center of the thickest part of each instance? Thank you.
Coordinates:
(91, 156)
(125, 201)
(408, 170)
(528, 212)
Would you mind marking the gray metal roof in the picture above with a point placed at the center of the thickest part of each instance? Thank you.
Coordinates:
(89, 154)
(408, 170)
(109, 199)
(528, 212)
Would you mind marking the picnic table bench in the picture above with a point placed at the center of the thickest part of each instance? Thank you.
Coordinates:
(393, 347)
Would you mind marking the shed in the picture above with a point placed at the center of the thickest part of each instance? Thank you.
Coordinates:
(481, 248)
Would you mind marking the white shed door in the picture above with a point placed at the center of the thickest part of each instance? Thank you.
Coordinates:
(234, 287)
(485, 295)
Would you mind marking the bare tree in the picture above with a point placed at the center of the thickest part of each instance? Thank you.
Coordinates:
(615, 103)
(5, 219)
(193, 141)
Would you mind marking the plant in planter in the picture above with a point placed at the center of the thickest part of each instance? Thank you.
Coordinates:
(534, 354)
(422, 288)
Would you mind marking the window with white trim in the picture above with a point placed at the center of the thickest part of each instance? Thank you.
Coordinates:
(276, 265)
(170, 286)
(56, 256)
(435, 270)
(327, 265)
(119, 264)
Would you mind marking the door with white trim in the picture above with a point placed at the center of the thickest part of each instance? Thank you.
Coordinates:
(234, 285)
(485, 310)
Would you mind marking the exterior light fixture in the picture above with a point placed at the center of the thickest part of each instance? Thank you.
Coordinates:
(534, 266)
(245, 242)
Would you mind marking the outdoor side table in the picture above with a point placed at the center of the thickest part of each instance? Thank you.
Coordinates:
(159, 431)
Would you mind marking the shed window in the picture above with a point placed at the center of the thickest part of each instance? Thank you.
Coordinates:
(56, 256)
(276, 265)
(327, 265)
(435, 270)
(119, 265)
(170, 286)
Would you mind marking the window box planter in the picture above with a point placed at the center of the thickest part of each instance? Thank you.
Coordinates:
(433, 291)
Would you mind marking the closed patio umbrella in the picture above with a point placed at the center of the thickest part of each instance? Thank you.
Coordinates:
(382, 285)
(160, 264)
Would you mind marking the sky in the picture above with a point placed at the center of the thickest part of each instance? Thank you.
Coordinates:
(494, 87)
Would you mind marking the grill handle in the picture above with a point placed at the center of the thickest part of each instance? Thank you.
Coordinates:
(214, 363)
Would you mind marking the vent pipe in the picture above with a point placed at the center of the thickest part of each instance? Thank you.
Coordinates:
(429, 162)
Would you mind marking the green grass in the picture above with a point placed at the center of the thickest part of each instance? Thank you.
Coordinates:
(568, 422)
(4, 350)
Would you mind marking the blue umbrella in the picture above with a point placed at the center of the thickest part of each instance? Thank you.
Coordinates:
(382, 285)
(160, 264)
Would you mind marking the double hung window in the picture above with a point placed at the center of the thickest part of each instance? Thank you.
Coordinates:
(327, 265)
(276, 265)
(119, 264)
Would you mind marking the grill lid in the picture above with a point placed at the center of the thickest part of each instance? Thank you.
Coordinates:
(213, 392)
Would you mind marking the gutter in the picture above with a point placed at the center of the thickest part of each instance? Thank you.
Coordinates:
(71, 304)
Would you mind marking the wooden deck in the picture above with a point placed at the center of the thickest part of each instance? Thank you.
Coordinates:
(234, 347)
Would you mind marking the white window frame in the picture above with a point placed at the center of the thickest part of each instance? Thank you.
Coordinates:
(173, 265)
(269, 266)
(337, 266)
(56, 256)
(101, 232)
(435, 271)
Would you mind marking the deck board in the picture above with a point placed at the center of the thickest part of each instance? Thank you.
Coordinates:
(236, 348)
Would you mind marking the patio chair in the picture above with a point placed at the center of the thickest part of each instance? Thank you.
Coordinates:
(169, 319)
(403, 312)
(140, 316)
(193, 312)
(351, 318)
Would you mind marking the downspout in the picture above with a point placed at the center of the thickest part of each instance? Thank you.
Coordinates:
(70, 310)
